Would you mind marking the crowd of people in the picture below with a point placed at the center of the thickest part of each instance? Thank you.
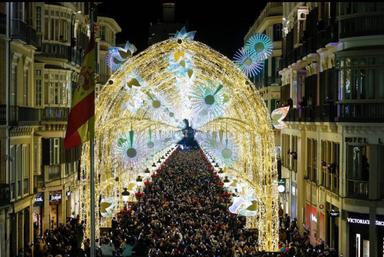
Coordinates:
(183, 211)
(65, 240)
(292, 243)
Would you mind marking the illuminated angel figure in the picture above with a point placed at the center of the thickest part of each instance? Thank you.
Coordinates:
(183, 34)
(247, 63)
(117, 55)
(259, 46)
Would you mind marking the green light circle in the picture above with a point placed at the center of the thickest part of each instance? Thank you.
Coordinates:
(131, 152)
(156, 104)
(209, 99)
(259, 47)
(226, 153)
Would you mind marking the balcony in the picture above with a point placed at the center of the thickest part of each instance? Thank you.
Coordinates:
(5, 195)
(357, 189)
(329, 180)
(361, 112)
(22, 31)
(362, 25)
(38, 183)
(20, 115)
(53, 172)
(55, 50)
(341, 112)
(54, 114)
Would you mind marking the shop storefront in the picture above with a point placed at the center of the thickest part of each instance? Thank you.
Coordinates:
(333, 217)
(311, 222)
(293, 200)
(38, 212)
(359, 240)
(54, 208)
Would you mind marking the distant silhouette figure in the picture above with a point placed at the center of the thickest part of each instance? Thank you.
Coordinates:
(188, 140)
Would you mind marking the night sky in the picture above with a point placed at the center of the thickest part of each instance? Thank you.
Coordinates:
(221, 24)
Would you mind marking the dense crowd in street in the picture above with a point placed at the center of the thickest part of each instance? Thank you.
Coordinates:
(65, 240)
(182, 212)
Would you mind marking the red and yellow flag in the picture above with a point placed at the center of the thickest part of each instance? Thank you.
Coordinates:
(81, 120)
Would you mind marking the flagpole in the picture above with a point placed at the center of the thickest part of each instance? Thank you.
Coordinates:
(92, 163)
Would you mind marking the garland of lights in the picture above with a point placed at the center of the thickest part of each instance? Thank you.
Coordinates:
(142, 108)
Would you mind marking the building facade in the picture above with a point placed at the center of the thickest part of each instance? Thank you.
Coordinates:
(332, 77)
(39, 179)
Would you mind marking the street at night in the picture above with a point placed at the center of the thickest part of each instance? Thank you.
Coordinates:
(179, 128)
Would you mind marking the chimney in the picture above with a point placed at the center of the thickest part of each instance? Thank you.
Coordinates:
(168, 12)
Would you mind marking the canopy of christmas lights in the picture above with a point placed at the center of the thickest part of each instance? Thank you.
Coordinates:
(139, 115)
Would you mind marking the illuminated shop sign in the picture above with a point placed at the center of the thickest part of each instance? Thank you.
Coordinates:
(364, 221)
(55, 196)
(39, 198)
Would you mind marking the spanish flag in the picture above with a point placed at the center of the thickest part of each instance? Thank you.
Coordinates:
(81, 119)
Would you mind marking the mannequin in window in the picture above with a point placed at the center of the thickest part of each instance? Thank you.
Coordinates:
(356, 164)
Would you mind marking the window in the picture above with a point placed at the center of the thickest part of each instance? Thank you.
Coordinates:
(285, 150)
(54, 151)
(38, 93)
(18, 11)
(330, 165)
(57, 91)
(277, 31)
(38, 19)
(294, 153)
(360, 78)
(102, 33)
(357, 162)
(14, 86)
(25, 88)
(46, 29)
(312, 159)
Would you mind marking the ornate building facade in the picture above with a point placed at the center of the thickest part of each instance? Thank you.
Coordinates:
(39, 179)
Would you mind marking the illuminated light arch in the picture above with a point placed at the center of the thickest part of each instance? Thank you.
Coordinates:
(244, 116)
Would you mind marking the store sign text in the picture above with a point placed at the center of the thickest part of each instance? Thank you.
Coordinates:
(364, 222)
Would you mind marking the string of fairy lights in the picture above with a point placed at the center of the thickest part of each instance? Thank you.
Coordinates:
(139, 115)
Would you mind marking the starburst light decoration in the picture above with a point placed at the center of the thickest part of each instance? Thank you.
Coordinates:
(259, 46)
(250, 58)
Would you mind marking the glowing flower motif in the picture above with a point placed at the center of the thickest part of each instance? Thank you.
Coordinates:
(277, 117)
(107, 206)
(180, 64)
(259, 46)
(209, 101)
(117, 56)
(247, 63)
(225, 151)
(130, 148)
(183, 34)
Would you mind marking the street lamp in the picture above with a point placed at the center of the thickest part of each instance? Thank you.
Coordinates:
(125, 195)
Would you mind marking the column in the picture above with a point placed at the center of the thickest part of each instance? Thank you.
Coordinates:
(46, 210)
(372, 232)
